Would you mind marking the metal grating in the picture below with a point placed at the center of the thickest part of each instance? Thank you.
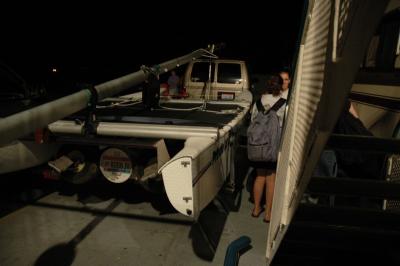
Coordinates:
(308, 90)
(344, 9)
(393, 175)
(343, 15)
(304, 100)
(320, 83)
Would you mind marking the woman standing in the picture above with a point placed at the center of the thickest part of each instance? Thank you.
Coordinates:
(276, 87)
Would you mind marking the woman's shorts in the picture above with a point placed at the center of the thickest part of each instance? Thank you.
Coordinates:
(263, 165)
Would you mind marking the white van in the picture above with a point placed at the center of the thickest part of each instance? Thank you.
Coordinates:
(229, 79)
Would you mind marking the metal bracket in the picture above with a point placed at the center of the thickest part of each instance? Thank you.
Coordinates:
(90, 120)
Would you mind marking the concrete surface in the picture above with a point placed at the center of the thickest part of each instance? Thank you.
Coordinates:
(126, 227)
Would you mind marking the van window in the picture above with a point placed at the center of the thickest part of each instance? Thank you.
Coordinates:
(200, 72)
(229, 73)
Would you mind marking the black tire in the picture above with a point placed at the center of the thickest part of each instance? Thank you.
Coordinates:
(81, 176)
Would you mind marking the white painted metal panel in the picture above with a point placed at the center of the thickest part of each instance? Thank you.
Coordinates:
(321, 84)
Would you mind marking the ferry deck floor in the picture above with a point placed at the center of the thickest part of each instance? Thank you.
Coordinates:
(76, 227)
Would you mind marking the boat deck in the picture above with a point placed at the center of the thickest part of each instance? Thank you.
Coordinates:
(188, 114)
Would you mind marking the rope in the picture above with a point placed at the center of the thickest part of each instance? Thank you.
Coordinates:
(180, 109)
(123, 104)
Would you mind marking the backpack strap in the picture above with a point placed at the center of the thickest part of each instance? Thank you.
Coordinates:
(260, 106)
(275, 107)
(278, 104)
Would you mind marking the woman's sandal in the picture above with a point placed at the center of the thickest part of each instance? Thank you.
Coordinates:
(266, 221)
(257, 215)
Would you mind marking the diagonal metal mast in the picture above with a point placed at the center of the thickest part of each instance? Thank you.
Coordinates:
(23, 123)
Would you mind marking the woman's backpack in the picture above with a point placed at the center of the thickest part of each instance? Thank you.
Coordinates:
(264, 133)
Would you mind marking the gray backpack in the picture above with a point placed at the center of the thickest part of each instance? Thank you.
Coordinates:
(264, 134)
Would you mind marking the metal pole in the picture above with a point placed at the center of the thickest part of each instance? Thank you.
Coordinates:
(23, 123)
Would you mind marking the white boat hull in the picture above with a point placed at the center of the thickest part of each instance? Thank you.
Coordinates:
(193, 177)
(19, 155)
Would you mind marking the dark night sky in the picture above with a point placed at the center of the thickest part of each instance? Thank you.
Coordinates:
(119, 39)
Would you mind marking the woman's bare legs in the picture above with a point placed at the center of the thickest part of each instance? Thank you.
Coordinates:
(270, 186)
(258, 189)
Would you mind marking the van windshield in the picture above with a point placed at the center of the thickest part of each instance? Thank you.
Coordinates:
(200, 72)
